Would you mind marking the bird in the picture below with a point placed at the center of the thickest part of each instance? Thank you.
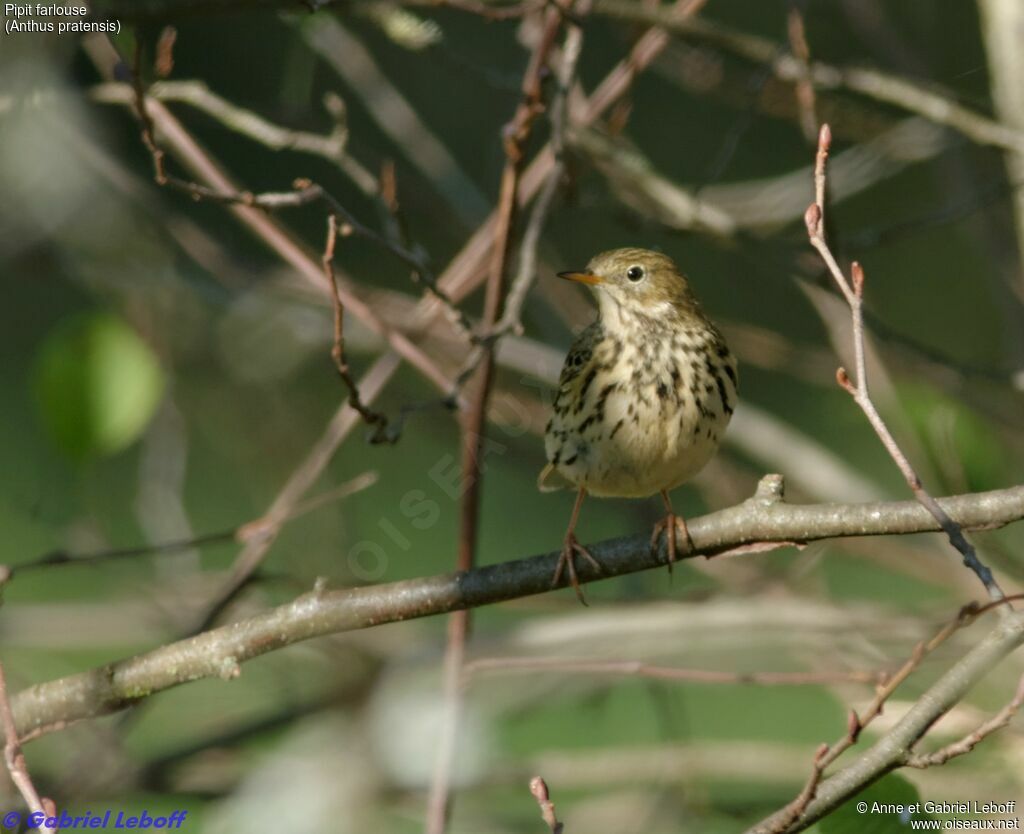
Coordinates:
(645, 394)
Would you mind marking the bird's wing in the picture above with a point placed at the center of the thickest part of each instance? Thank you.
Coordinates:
(577, 361)
(580, 353)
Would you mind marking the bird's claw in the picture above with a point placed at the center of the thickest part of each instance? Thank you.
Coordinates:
(678, 526)
(567, 562)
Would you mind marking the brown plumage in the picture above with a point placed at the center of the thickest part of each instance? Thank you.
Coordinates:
(645, 393)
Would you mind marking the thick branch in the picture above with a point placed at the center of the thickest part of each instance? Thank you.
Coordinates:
(966, 744)
(761, 522)
(893, 749)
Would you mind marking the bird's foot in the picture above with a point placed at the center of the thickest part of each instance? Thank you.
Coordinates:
(670, 527)
(567, 562)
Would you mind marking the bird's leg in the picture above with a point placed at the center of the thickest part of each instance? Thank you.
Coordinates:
(570, 547)
(669, 525)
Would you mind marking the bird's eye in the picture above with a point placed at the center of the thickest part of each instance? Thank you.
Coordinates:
(635, 273)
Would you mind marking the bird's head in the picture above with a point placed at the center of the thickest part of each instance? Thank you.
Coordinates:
(638, 282)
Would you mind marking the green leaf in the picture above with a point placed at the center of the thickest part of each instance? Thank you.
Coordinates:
(97, 385)
(874, 810)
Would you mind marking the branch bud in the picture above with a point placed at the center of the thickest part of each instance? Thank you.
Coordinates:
(812, 218)
(857, 273)
(824, 138)
(843, 379)
(539, 789)
(853, 725)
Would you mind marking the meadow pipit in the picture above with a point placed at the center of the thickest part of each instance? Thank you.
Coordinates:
(644, 397)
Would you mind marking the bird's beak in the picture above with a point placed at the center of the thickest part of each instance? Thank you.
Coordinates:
(582, 277)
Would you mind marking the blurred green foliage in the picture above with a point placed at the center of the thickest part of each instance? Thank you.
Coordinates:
(97, 384)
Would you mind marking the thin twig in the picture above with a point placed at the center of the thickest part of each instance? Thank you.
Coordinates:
(971, 740)
(304, 191)
(782, 821)
(539, 790)
(370, 417)
(148, 131)
(526, 273)
(413, 259)
(243, 533)
(331, 146)
(856, 723)
(879, 86)
(56, 558)
(853, 290)
(795, 808)
(15, 759)
(248, 205)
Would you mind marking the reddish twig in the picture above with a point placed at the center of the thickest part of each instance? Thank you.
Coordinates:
(468, 268)
(14, 758)
(539, 789)
(883, 691)
(516, 134)
(795, 808)
(148, 130)
(853, 291)
(558, 113)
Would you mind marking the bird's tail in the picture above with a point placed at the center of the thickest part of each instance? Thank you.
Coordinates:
(550, 479)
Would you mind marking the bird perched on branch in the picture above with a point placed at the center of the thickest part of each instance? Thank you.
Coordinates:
(644, 397)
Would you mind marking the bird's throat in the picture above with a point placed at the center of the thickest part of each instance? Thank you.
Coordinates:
(635, 323)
